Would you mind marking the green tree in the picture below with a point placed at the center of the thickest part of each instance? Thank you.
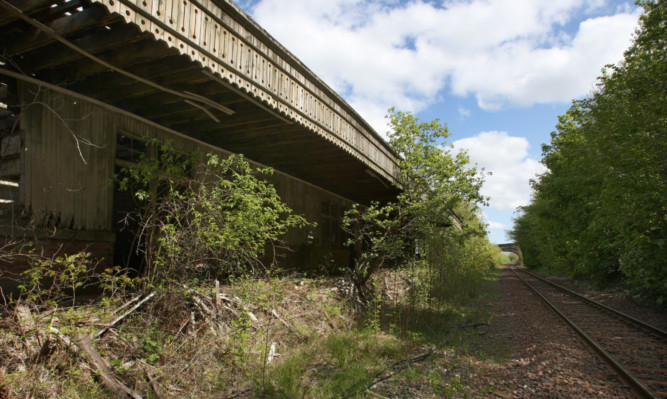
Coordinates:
(433, 183)
(630, 114)
(600, 211)
(432, 179)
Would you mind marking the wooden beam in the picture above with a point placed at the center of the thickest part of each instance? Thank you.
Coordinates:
(84, 67)
(251, 130)
(99, 41)
(251, 124)
(27, 6)
(9, 192)
(242, 121)
(264, 75)
(266, 107)
(10, 168)
(52, 33)
(40, 36)
(328, 188)
(51, 13)
(10, 145)
(202, 121)
(124, 56)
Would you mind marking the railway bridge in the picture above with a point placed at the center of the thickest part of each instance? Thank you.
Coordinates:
(513, 248)
(83, 84)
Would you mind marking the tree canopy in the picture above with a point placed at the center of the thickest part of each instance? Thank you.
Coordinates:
(600, 211)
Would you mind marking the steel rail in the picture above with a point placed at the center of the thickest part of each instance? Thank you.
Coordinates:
(637, 386)
(643, 324)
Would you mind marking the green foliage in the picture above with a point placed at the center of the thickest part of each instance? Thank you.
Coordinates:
(116, 282)
(264, 294)
(599, 212)
(56, 280)
(462, 261)
(204, 215)
(438, 189)
(151, 347)
(377, 236)
(432, 179)
(52, 280)
(374, 309)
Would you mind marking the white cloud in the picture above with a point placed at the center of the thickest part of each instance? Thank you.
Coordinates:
(379, 54)
(496, 226)
(507, 157)
(464, 112)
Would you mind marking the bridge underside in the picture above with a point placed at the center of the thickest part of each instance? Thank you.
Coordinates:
(230, 118)
(198, 73)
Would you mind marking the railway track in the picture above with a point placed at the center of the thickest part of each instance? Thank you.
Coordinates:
(636, 351)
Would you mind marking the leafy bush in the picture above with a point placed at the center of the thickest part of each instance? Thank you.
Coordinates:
(205, 215)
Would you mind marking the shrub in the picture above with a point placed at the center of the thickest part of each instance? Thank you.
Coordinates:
(205, 215)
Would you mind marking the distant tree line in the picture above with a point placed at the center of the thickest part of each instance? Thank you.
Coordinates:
(600, 211)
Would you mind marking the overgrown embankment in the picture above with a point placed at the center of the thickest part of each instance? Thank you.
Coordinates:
(169, 328)
(270, 337)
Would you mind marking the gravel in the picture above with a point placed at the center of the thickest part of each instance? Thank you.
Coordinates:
(546, 359)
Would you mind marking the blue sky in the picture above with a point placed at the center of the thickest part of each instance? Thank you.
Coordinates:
(497, 72)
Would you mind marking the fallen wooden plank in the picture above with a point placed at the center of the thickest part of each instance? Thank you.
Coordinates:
(117, 388)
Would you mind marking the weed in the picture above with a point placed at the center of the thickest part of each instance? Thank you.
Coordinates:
(374, 307)
(49, 280)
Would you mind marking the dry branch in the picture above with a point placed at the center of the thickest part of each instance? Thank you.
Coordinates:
(391, 371)
(157, 390)
(218, 305)
(128, 303)
(203, 307)
(185, 323)
(124, 315)
(272, 353)
(234, 301)
(275, 314)
(26, 325)
(285, 323)
(96, 363)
